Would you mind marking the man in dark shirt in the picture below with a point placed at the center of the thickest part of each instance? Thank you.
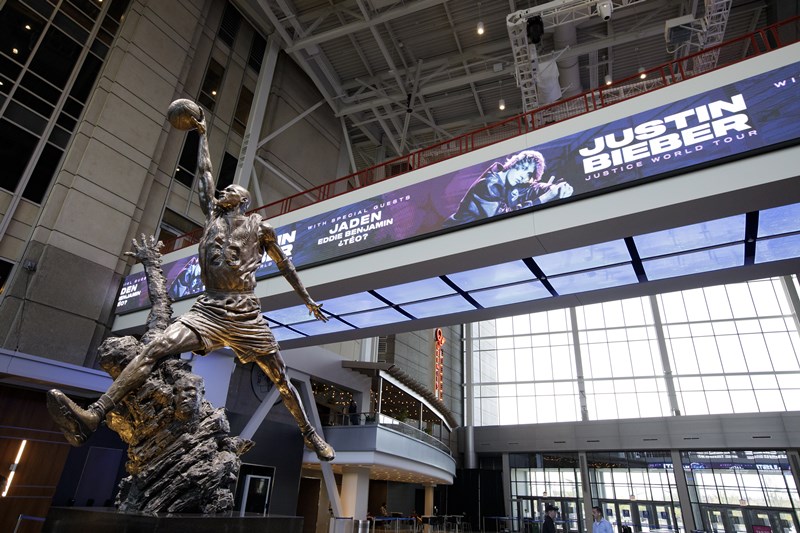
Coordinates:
(549, 525)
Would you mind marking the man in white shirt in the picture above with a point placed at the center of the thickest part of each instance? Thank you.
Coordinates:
(601, 525)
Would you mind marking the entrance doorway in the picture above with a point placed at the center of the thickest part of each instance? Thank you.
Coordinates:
(718, 518)
(642, 516)
(530, 513)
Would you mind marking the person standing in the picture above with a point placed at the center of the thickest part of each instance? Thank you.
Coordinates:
(601, 525)
(549, 525)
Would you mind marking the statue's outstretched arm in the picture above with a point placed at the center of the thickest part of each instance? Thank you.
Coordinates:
(286, 268)
(147, 252)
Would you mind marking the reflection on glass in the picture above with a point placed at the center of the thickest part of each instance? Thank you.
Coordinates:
(596, 255)
(702, 235)
(521, 292)
(779, 220)
(285, 334)
(378, 317)
(593, 280)
(777, 248)
(439, 306)
(352, 303)
(694, 262)
(416, 290)
(289, 315)
(318, 327)
(492, 276)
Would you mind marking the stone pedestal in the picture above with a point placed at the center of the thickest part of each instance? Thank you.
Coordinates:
(99, 519)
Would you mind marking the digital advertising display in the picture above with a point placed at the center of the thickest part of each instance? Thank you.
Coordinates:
(744, 117)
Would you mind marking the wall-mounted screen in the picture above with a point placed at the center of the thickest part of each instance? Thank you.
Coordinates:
(744, 117)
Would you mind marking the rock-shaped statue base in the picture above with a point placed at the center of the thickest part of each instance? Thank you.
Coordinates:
(180, 456)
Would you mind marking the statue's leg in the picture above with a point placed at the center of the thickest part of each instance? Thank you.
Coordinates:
(274, 367)
(78, 423)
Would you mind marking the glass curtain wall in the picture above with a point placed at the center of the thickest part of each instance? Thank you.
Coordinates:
(552, 478)
(742, 490)
(636, 490)
(726, 349)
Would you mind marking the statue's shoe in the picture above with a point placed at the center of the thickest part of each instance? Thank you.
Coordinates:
(317, 444)
(77, 424)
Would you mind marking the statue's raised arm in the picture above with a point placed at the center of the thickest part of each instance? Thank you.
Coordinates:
(205, 182)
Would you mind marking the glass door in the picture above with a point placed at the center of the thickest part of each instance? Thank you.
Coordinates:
(771, 521)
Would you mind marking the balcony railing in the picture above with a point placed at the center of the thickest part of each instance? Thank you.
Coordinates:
(730, 52)
(385, 421)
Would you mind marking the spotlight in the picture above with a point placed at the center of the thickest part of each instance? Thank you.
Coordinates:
(604, 9)
(608, 79)
(502, 104)
(535, 29)
(642, 73)
(480, 28)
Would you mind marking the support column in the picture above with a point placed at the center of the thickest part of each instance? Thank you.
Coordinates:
(255, 120)
(687, 516)
(506, 485)
(662, 347)
(583, 464)
(576, 346)
(355, 492)
(216, 369)
(428, 504)
(470, 456)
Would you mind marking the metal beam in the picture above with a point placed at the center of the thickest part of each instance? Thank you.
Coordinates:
(255, 120)
(291, 123)
(353, 27)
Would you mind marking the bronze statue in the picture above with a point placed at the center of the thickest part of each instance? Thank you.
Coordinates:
(227, 314)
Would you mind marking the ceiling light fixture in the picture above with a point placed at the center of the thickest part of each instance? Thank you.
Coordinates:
(14, 51)
(608, 79)
(27, 26)
(502, 104)
(642, 73)
(481, 29)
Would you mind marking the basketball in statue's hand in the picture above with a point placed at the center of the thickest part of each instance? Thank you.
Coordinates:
(181, 112)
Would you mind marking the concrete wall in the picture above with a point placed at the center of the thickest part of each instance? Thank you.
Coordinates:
(116, 179)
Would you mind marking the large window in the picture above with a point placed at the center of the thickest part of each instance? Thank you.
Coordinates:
(48, 65)
(726, 349)
(733, 348)
(525, 370)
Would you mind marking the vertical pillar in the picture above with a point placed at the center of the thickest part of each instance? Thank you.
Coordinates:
(216, 369)
(690, 522)
(428, 504)
(586, 486)
(355, 491)
(662, 347)
(470, 457)
(506, 484)
(794, 465)
(576, 346)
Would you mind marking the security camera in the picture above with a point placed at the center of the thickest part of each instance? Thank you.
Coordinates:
(604, 9)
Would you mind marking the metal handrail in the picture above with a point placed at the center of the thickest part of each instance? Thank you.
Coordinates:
(753, 44)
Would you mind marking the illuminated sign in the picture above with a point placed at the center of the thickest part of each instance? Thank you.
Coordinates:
(744, 117)
(438, 365)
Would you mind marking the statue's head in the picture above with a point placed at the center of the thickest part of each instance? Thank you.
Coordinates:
(234, 196)
(188, 396)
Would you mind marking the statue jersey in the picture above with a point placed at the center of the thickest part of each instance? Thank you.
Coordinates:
(231, 249)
